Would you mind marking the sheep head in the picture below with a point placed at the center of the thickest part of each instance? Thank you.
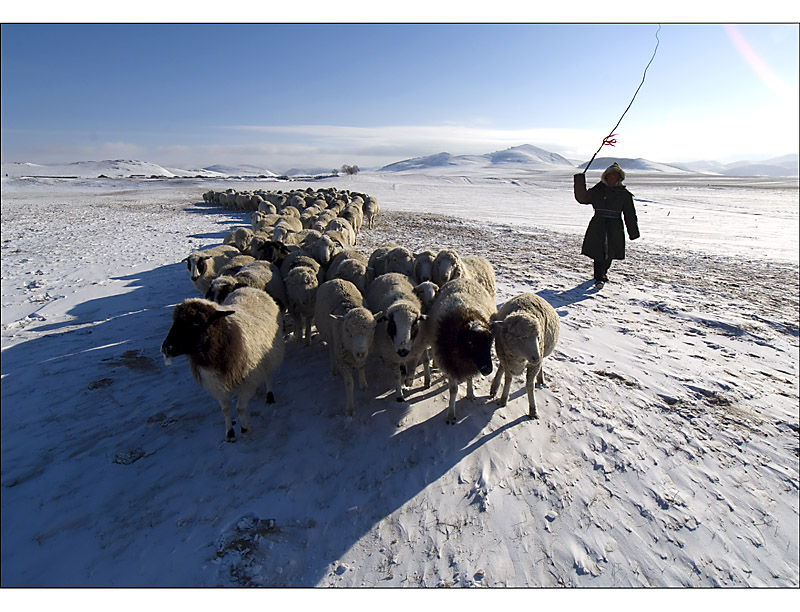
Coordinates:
(403, 325)
(520, 335)
(191, 319)
(356, 332)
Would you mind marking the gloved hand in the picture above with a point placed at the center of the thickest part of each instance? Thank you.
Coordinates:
(579, 179)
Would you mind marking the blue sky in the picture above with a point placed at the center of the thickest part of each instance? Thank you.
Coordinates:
(321, 95)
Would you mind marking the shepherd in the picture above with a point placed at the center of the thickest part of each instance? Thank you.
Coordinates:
(605, 238)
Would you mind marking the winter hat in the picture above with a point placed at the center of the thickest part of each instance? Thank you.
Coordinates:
(613, 168)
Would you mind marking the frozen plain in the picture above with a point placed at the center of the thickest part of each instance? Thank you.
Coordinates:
(665, 454)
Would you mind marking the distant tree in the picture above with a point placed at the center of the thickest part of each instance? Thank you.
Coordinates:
(350, 169)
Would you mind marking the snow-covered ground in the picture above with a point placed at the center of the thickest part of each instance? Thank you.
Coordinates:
(665, 453)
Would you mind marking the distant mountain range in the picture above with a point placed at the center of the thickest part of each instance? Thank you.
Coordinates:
(521, 159)
(529, 157)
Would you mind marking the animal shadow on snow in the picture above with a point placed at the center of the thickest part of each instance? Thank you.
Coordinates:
(579, 293)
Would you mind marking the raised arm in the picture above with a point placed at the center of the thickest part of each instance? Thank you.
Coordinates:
(579, 187)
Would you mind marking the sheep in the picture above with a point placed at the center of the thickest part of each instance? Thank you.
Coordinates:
(240, 237)
(259, 275)
(231, 348)
(235, 264)
(447, 266)
(263, 222)
(301, 283)
(481, 270)
(340, 224)
(399, 259)
(354, 215)
(324, 248)
(262, 247)
(348, 328)
(371, 209)
(460, 337)
(285, 226)
(352, 270)
(267, 207)
(526, 330)
(204, 265)
(423, 266)
(426, 292)
(402, 342)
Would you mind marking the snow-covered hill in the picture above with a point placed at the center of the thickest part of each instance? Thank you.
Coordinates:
(523, 156)
(114, 168)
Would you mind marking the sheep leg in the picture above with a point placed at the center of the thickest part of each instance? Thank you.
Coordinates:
(334, 365)
(451, 407)
(530, 375)
(540, 377)
(470, 389)
(398, 382)
(309, 321)
(426, 365)
(362, 379)
(496, 381)
(503, 399)
(268, 389)
(347, 375)
(230, 435)
(241, 407)
(297, 324)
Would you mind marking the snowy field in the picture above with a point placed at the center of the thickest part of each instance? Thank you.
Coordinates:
(665, 453)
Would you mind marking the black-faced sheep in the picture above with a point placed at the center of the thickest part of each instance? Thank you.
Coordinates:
(233, 347)
(400, 338)
(459, 333)
(348, 328)
(526, 330)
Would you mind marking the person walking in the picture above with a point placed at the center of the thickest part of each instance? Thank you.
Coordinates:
(605, 238)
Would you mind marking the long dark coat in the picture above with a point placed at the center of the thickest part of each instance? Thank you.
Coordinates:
(605, 237)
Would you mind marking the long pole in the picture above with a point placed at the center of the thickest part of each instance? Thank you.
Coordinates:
(607, 140)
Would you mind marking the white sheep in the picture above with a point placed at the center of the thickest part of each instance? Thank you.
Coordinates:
(204, 264)
(340, 224)
(426, 292)
(481, 269)
(447, 266)
(233, 347)
(348, 328)
(240, 237)
(400, 338)
(262, 275)
(526, 330)
(423, 266)
(301, 284)
(459, 334)
(371, 209)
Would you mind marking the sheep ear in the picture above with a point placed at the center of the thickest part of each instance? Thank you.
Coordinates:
(336, 317)
(422, 317)
(496, 325)
(380, 316)
(219, 314)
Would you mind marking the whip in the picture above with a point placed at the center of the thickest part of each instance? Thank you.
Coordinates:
(610, 140)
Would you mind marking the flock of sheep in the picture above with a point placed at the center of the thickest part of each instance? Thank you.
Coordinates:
(299, 258)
